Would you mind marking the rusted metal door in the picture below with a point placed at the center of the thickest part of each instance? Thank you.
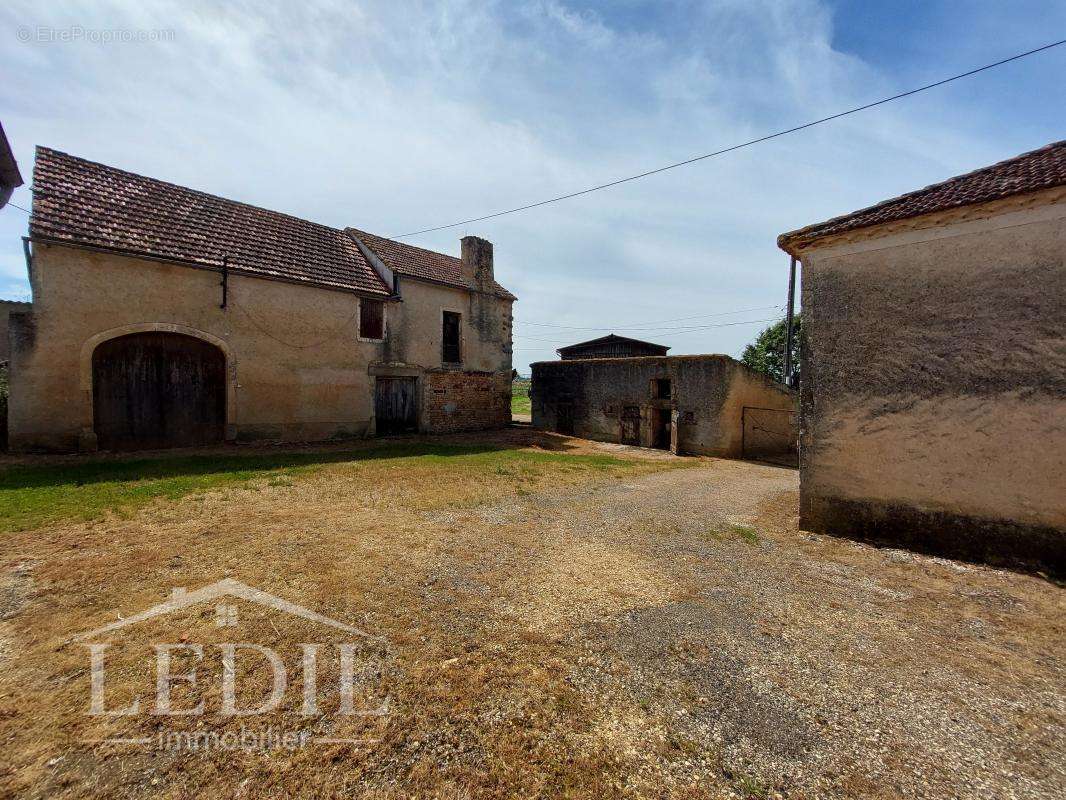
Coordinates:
(769, 433)
(631, 425)
(395, 405)
(158, 390)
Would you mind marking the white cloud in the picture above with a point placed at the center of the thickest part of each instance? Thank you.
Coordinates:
(398, 116)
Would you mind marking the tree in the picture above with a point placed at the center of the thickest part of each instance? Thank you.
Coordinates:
(767, 353)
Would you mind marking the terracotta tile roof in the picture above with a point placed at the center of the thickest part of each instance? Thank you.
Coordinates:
(406, 259)
(1039, 169)
(83, 202)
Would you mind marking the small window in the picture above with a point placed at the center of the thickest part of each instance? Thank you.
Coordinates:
(662, 388)
(371, 319)
(451, 338)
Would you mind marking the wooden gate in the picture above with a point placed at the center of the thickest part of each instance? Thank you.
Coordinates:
(396, 405)
(155, 390)
(631, 425)
(769, 433)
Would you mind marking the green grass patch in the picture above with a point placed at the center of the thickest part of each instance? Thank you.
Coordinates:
(745, 533)
(520, 403)
(751, 788)
(32, 496)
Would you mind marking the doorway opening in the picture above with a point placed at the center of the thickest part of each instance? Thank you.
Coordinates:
(631, 425)
(661, 428)
(156, 390)
(396, 405)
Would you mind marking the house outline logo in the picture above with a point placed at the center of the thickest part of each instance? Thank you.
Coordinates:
(181, 599)
(256, 739)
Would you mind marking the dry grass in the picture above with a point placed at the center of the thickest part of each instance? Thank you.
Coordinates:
(559, 619)
(350, 535)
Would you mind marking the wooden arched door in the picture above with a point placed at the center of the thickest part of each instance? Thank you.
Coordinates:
(155, 390)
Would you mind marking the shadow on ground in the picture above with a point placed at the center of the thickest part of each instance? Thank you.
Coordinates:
(107, 471)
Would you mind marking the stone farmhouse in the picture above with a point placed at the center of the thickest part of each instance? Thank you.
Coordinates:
(163, 316)
(933, 392)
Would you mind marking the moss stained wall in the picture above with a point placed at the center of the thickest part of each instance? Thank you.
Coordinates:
(297, 368)
(709, 393)
(934, 387)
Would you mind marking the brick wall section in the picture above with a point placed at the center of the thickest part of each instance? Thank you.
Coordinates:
(464, 401)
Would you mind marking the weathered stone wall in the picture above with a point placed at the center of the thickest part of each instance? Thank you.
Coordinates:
(463, 401)
(709, 394)
(934, 387)
(8, 307)
(297, 369)
(414, 327)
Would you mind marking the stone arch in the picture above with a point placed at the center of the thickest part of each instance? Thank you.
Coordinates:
(85, 371)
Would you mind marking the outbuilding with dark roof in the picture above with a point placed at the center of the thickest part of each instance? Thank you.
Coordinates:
(165, 316)
(933, 390)
(611, 346)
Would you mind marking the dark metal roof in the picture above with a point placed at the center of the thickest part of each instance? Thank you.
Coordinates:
(1029, 172)
(611, 338)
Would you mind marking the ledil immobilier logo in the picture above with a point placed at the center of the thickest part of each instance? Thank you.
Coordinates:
(193, 695)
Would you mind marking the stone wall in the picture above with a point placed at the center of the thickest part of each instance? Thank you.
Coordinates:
(296, 367)
(8, 307)
(463, 401)
(933, 400)
(590, 398)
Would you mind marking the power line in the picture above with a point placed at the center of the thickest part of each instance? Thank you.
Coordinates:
(679, 331)
(730, 149)
(648, 325)
(16, 205)
(669, 329)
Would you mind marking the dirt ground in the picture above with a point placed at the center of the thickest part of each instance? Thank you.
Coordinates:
(660, 629)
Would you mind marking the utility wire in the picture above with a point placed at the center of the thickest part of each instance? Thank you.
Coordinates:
(647, 326)
(681, 328)
(749, 143)
(16, 205)
(679, 331)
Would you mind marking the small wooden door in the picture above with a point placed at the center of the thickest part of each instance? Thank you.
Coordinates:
(396, 405)
(564, 418)
(631, 425)
(158, 390)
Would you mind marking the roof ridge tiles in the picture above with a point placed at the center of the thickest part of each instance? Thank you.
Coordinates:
(1046, 168)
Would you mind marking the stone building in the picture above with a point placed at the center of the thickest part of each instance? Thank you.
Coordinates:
(164, 316)
(702, 405)
(933, 394)
(611, 346)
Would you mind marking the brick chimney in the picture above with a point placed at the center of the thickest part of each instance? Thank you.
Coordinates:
(477, 261)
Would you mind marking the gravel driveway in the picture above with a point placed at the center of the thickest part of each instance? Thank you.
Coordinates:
(726, 649)
(644, 627)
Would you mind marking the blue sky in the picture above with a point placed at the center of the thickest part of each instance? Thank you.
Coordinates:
(396, 116)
